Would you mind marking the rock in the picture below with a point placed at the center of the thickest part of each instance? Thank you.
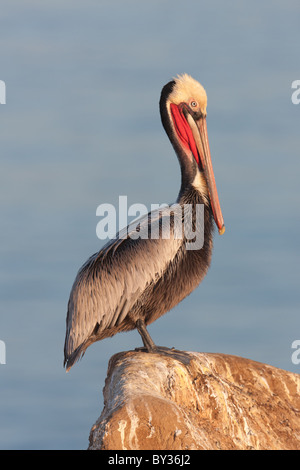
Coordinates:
(176, 400)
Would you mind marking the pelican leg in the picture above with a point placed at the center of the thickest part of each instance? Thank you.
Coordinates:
(147, 340)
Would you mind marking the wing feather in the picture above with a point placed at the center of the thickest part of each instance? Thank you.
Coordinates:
(111, 281)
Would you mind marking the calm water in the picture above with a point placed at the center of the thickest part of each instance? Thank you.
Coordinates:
(81, 127)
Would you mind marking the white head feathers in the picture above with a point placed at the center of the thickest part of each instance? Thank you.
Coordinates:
(187, 89)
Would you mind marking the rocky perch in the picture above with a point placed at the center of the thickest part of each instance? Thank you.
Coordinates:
(177, 400)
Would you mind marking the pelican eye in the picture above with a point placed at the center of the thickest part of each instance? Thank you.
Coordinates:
(194, 104)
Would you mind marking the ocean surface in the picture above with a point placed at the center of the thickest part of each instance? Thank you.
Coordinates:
(81, 127)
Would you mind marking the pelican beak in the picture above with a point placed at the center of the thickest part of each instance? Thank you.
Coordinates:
(199, 130)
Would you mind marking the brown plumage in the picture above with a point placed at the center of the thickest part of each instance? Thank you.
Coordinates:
(132, 282)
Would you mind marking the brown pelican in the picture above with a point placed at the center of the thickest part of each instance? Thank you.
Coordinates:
(132, 281)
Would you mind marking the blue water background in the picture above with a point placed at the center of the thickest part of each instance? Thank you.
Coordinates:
(81, 126)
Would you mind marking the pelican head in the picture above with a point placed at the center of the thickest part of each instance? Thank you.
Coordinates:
(183, 111)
